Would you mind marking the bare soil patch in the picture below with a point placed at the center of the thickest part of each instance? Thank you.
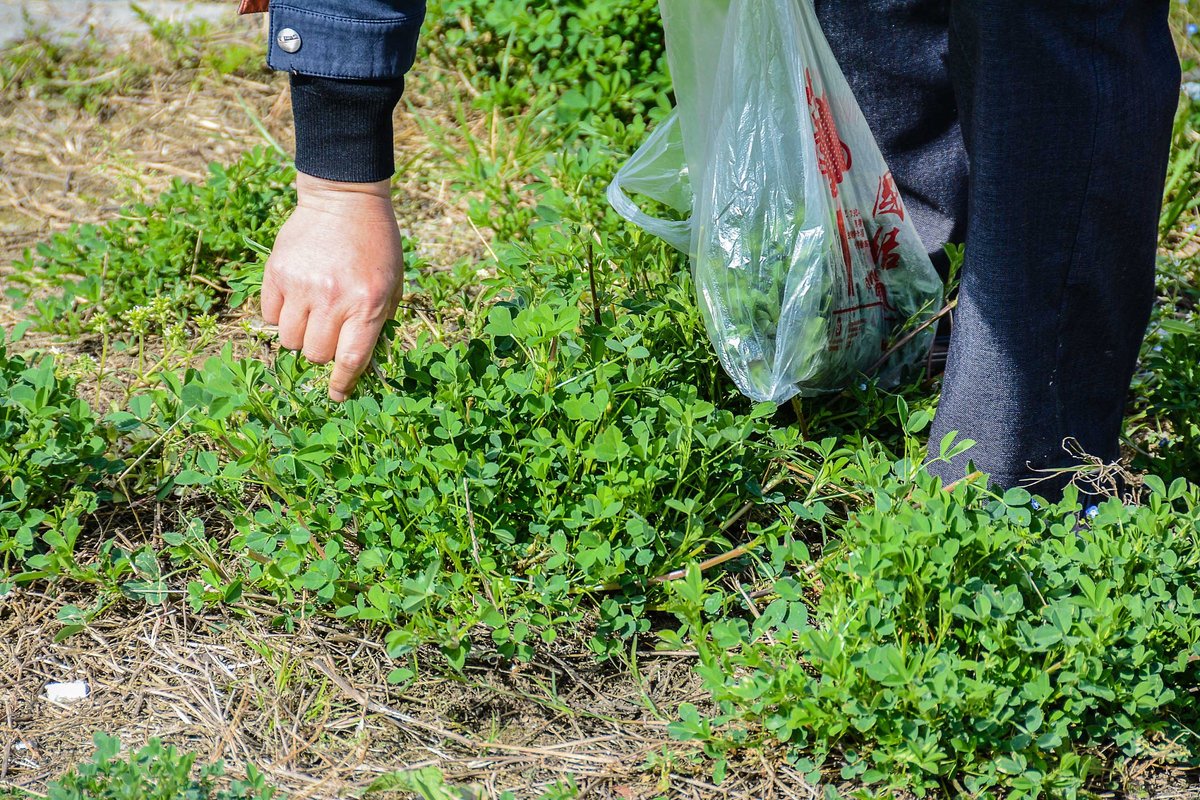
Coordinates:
(312, 706)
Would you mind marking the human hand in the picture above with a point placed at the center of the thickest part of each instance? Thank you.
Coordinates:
(335, 275)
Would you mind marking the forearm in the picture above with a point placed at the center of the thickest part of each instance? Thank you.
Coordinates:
(347, 60)
(336, 271)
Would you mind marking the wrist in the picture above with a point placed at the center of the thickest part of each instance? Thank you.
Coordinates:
(311, 186)
(369, 203)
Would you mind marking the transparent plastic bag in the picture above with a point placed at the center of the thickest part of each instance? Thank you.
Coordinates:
(806, 264)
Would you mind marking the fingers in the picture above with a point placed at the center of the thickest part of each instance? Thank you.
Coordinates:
(321, 336)
(292, 321)
(354, 348)
(272, 297)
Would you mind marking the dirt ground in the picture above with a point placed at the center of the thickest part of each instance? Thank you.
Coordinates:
(313, 709)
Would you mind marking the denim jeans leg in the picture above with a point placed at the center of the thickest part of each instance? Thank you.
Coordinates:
(1066, 111)
(894, 55)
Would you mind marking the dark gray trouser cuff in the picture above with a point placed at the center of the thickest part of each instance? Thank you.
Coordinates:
(344, 127)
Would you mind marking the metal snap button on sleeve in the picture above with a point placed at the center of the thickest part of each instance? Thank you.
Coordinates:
(288, 40)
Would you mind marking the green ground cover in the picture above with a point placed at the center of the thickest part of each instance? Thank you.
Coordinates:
(561, 452)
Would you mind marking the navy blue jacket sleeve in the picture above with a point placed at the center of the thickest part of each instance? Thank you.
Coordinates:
(347, 60)
(355, 39)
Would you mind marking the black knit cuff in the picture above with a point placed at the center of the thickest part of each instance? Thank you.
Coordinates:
(344, 127)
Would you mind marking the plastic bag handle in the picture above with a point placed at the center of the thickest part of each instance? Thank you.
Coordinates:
(677, 233)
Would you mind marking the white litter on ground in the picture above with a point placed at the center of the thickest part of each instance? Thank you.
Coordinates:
(67, 692)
